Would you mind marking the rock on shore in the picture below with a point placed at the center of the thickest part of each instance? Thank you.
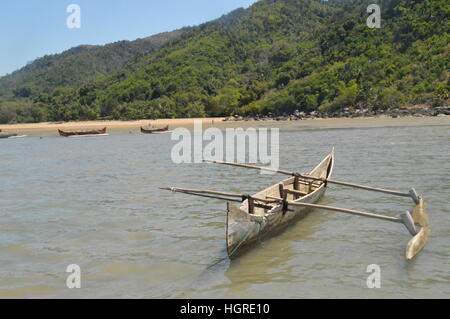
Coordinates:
(417, 111)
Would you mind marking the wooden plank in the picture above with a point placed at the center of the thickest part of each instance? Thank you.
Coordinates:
(295, 192)
(251, 205)
(296, 183)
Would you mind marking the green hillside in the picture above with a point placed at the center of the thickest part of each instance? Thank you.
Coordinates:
(78, 65)
(74, 68)
(275, 57)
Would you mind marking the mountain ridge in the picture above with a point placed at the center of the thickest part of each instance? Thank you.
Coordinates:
(274, 57)
(101, 59)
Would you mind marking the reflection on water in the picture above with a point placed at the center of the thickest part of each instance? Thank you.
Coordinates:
(96, 203)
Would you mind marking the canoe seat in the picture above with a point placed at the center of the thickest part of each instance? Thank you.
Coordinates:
(294, 192)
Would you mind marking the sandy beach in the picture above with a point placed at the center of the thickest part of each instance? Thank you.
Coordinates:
(51, 126)
(130, 127)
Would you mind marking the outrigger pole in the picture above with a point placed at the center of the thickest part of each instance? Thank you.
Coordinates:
(230, 197)
(418, 218)
(405, 218)
(412, 193)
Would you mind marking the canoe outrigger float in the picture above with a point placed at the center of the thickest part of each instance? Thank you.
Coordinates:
(11, 135)
(283, 203)
(7, 135)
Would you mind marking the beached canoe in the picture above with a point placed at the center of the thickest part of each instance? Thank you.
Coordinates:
(82, 133)
(249, 222)
(8, 135)
(155, 130)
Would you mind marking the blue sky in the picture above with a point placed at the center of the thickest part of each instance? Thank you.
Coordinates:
(33, 28)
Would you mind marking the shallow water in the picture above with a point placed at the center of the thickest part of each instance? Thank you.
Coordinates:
(95, 202)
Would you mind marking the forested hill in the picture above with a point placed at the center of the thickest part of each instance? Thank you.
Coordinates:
(77, 66)
(277, 56)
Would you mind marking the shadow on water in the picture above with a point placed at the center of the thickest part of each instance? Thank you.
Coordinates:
(276, 247)
(257, 262)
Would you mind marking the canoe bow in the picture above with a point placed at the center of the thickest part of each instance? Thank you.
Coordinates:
(240, 222)
(244, 228)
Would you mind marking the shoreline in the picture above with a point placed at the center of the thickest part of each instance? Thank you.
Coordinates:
(82, 125)
(50, 128)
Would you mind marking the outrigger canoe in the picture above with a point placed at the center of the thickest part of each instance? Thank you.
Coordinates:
(281, 204)
(82, 133)
(155, 130)
(247, 223)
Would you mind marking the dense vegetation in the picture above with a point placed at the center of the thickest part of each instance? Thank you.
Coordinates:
(275, 57)
(70, 69)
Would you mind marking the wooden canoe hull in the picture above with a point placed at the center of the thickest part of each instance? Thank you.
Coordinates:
(8, 135)
(244, 229)
(87, 135)
(156, 130)
(81, 133)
